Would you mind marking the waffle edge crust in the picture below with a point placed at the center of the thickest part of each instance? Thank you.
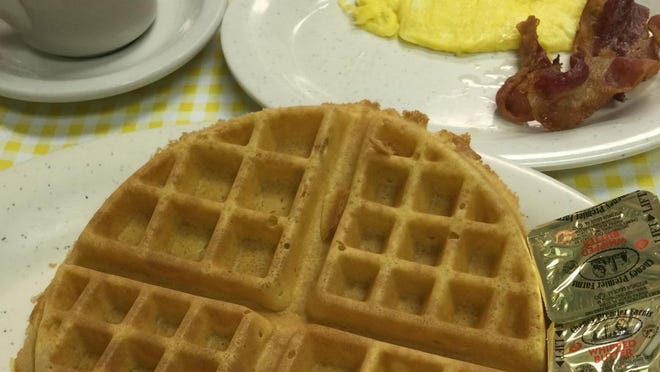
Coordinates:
(339, 237)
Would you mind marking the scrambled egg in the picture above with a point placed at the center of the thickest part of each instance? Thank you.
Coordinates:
(468, 26)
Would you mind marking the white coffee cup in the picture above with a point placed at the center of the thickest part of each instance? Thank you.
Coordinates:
(78, 28)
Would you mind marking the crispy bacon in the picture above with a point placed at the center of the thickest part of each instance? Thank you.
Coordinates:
(612, 53)
(654, 27)
(553, 81)
(620, 25)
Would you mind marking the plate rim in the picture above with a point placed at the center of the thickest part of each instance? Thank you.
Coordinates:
(165, 61)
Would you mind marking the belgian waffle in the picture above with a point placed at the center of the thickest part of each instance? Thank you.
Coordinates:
(316, 238)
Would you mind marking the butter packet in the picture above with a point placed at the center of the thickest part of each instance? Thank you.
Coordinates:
(599, 259)
(620, 340)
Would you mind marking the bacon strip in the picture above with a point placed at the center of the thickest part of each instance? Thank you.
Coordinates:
(654, 27)
(612, 53)
(620, 25)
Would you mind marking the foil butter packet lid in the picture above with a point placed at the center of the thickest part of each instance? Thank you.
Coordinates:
(600, 258)
(624, 339)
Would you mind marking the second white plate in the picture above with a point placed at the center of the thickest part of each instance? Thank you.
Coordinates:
(46, 202)
(307, 52)
(180, 31)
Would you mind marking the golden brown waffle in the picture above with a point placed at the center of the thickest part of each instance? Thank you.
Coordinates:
(323, 238)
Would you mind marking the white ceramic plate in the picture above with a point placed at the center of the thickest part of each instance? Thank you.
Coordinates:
(46, 202)
(180, 31)
(306, 52)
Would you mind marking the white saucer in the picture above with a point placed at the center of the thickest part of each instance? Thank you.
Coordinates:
(180, 31)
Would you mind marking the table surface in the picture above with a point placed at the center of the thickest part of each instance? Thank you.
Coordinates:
(204, 90)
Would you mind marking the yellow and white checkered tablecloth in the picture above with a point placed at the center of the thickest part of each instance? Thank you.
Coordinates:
(204, 90)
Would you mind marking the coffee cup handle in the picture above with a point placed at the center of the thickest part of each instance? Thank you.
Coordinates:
(12, 12)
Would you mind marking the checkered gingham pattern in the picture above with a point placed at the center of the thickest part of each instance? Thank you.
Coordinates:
(605, 181)
(203, 91)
